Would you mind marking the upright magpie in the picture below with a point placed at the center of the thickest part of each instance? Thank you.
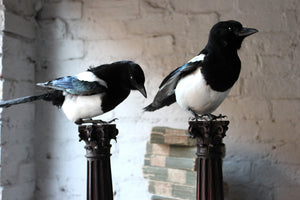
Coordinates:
(90, 93)
(201, 85)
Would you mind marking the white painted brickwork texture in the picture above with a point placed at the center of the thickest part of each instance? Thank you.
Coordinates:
(41, 157)
(17, 177)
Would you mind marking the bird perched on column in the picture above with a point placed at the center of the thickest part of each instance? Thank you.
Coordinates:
(90, 93)
(201, 85)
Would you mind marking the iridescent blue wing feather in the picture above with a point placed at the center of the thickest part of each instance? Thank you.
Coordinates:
(72, 85)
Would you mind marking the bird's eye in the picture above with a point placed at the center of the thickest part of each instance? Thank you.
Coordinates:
(229, 28)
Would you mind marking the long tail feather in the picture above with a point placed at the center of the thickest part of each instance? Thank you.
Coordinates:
(26, 99)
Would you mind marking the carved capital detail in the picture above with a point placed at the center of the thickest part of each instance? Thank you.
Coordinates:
(209, 136)
(97, 138)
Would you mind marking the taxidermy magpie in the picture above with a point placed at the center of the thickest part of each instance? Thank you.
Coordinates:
(90, 93)
(201, 85)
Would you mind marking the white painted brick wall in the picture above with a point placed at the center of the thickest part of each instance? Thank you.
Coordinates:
(262, 160)
(17, 178)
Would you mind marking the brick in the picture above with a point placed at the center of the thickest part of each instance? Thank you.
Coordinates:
(98, 29)
(158, 149)
(19, 69)
(174, 176)
(21, 7)
(155, 6)
(155, 197)
(159, 129)
(12, 175)
(114, 49)
(156, 160)
(160, 45)
(265, 45)
(277, 63)
(177, 176)
(282, 113)
(287, 153)
(112, 9)
(15, 89)
(25, 28)
(180, 163)
(250, 9)
(157, 138)
(195, 7)
(171, 162)
(157, 25)
(26, 190)
(53, 29)
(184, 192)
(257, 108)
(47, 69)
(62, 49)
(171, 136)
(171, 191)
(276, 131)
(271, 87)
(186, 152)
(252, 64)
(155, 173)
(18, 48)
(65, 9)
(179, 140)
(27, 172)
(191, 178)
(238, 151)
(163, 189)
(198, 29)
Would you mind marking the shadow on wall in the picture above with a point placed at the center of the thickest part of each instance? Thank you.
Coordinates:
(260, 179)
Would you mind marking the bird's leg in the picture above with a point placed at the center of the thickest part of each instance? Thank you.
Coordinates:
(211, 117)
(220, 116)
(113, 120)
(98, 121)
(196, 116)
(79, 121)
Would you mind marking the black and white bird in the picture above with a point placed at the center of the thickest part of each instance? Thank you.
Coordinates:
(90, 93)
(202, 84)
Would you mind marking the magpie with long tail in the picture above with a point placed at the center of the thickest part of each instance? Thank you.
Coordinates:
(90, 93)
(201, 85)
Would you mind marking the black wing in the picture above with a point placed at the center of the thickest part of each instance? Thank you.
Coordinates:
(166, 93)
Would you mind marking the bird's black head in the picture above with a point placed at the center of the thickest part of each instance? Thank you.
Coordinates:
(136, 77)
(229, 34)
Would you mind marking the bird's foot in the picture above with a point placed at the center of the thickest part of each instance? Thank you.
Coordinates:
(220, 116)
(207, 117)
(195, 116)
(211, 117)
(94, 122)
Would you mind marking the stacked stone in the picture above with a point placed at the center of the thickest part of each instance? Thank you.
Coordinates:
(170, 164)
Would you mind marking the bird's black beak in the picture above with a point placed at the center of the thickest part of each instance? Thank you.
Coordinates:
(246, 32)
(142, 90)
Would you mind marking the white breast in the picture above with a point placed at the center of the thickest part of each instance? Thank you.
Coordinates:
(82, 107)
(192, 92)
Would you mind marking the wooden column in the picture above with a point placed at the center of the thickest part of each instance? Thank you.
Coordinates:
(97, 139)
(210, 151)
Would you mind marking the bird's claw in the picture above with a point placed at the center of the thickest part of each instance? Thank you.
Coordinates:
(220, 116)
(94, 122)
(207, 117)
